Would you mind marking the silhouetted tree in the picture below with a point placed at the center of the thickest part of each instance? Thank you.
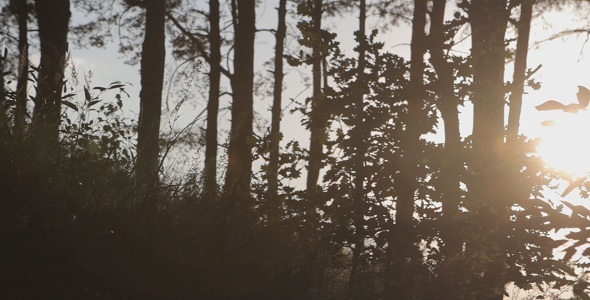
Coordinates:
(53, 18)
(359, 137)
(275, 131)
(406, 182)
(452, 160)
(241, 139)
(21, 10)
(152, 78)
(317, 117)
(489, 204)
(210, 170)
(523, 26)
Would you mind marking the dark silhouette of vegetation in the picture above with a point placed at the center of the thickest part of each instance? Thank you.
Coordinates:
(381, 211)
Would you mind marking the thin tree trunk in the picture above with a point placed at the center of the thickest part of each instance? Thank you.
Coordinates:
(53, 17)
(359, 135)
(520, 65)
(406, 182)
(317, 127)
(2, 85)
(317, 121)
(452, 162)
(152, 80)
(23, 66)
(275, 130)
(241, 141)
(210, 172)
(488, 204)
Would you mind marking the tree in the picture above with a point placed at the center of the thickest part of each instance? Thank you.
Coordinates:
(210, 171)
(452, 163)
(21, 10)
(489, 196)
(152, 78)
(241, 139)
(275, 131)
(317, 118)
(520, 65)
(406, 182)
(53, 18)
(359, 137)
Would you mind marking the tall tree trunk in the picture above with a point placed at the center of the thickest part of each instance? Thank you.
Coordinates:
(452, 167)
(406, 181)
(23, 65)
(210, 172)
(275, 130)
(152, 79)
(317, 121)
(489, 204)
(53, 17)
(317, 127)
(520, 65)
(241, 140)
(2, 84)
(359, 136)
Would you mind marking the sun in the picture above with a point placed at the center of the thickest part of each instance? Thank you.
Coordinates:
(565, 144)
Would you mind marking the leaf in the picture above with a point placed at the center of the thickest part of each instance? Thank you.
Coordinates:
(87, 95)
(100, 88)
(573, 185)
(92, 103)
(583, 96)
(116, 86)
(70, 105)
(550, 105)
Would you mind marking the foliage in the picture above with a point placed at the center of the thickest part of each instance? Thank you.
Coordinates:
(72, 227)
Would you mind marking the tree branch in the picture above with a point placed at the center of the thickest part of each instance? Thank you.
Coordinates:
(198, 44)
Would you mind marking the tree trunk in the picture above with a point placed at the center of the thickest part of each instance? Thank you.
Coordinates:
(275, 130)
(241, 140)
(406, 182)
(152, 78)
(488, 203)
(520, 65)
(210, 172)
(359, 136)
(53, 17)
(2, 85)
(23, 66)
(317, 123)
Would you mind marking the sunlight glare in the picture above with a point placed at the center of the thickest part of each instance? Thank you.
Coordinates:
(565, 145)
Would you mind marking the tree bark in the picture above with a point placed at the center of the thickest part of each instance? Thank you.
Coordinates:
(152, 79)
(241, 141)
(452, 163)
(2, 85)
(317, 123)
(406, 182)
(210, 172)
(275, 130)
(23, 66)
(520, 65)
(488, 203)
(53, 17)
(359, 136)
